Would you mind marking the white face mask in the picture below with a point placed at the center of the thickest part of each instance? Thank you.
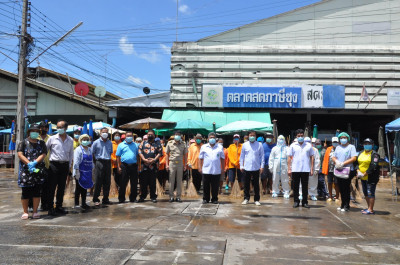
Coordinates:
(104, 135)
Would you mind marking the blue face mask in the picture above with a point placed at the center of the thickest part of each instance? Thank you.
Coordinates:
(85, 143)
(368, 147)
(252, 139)
(268, 140)
(76, 136)
(117, 138)
(177, 137)
(129, 139)
(343, 140)
(300, 139)
(335, 144)
(198, 141)
(281, 142)
(34, 135)
(61, 131)
(235, 140)
(212, 141)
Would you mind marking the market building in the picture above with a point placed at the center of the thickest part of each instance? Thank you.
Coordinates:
(305, 66)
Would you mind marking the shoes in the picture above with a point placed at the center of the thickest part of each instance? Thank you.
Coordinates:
(245, 202)
(44, 208)
(205, 201)
(286, 196)
(154, 200)
(107, 203)
(178, 200)
(296, 205)
(85, 206)
(274, 195)
(226, 187)
(339, 208)
(25, 216)
(305, 206)
(329, 200)
(96, 203)
(61, 210)
(214, 202)
(313, 198)
(171, 199)
(77, 207)
(345, 209)
(257, 203)
(133, 201)
(52, 212)
(367, 212)
(140, 200)
(36, 216)
(121, 201)
(300, 197)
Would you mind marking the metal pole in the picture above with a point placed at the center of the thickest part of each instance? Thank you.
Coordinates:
(21, 82)
(390, 164)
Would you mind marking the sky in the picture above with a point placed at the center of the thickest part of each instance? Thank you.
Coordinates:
(123, 45)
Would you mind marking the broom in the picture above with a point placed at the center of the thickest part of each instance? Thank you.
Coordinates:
(191, 190)
(159, 190)
(113, 188)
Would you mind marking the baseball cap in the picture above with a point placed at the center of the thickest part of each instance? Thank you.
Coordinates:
(335, 139)
(236, 136)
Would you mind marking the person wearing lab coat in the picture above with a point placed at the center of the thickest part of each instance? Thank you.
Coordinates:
(278, 166)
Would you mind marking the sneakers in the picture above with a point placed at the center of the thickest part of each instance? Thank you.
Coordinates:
(339, 208)
(274, 195)
(345, 209)
(286, 196)
(257, 203)
(245, 202)
(314, 198)
(329, 200)
(226, 187)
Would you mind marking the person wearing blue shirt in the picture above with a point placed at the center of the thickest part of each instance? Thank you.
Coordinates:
(266, 177)
(102, 149)
(127, 154)
(252, 164)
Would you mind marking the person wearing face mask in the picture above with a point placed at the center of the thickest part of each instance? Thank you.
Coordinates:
(61, 153)
(102, 149)
(234, 151)
(277, 165)
(300, 167)
(225, 168)
(344, 156)
(176, 163)
(313, 179)
(321, 189)
(367, 166)
(77, 134)
(193, 161)
(32, 172)
(266, 177)
(150, 152)
(44, 129)
(82, 170)
(252, 165)
(127, 161)
(328, 167)
(211, 165)
(116, 141)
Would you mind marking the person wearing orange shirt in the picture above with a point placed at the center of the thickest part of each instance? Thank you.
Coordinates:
(115, 143)
(234, 151)
(193, 161)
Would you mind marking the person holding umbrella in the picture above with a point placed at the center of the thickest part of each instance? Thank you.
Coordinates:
(32, 171)
(252, 165)
(211, 165)
(176, 152)
(367, 166)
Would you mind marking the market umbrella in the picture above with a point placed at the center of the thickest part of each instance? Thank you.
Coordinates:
(245, 125)
(11, 146)
(84, 128)
(381, 142)
(99, 125)
(91, 129)
(396, 160)
(194, 126)
(275, 129)
(50, 132)
(148, 123)
(315, 131)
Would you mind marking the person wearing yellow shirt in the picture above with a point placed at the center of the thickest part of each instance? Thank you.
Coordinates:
(44, 129)
(116, 141)
(193, 161)
(234, 151)
(368, 171)
(77, 134)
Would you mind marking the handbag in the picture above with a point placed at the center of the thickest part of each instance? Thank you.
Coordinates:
(342, 173)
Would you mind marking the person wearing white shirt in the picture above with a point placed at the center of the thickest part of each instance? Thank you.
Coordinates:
(61, 153)
(211, 164)
(301, 166)
(252, 165)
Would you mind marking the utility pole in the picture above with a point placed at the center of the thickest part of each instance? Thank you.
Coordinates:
(23, 45)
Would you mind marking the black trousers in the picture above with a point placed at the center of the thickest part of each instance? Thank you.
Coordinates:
(197, 177)
(210, 181)
(117, 176)
(296, 178)
(128, 174)
(80, 192)
(147, 178)
(344, 187)
(102, 179)
(252, 176)
(58, 172)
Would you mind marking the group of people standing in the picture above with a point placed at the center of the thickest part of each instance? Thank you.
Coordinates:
(46, 161)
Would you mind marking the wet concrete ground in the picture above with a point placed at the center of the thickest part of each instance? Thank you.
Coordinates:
(192, 233)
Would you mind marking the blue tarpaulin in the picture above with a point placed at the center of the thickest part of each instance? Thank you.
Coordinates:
(393, 126)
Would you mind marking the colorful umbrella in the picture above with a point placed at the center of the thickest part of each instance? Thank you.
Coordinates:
(148, 123)
(238, 126)
(11, 146)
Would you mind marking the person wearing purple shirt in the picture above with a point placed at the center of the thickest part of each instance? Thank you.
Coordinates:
(266, 177)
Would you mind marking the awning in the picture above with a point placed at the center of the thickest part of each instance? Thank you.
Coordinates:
(393, 126)
(159, 100)
(220, 118)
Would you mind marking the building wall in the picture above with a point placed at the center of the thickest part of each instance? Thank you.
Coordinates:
(340, 42)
